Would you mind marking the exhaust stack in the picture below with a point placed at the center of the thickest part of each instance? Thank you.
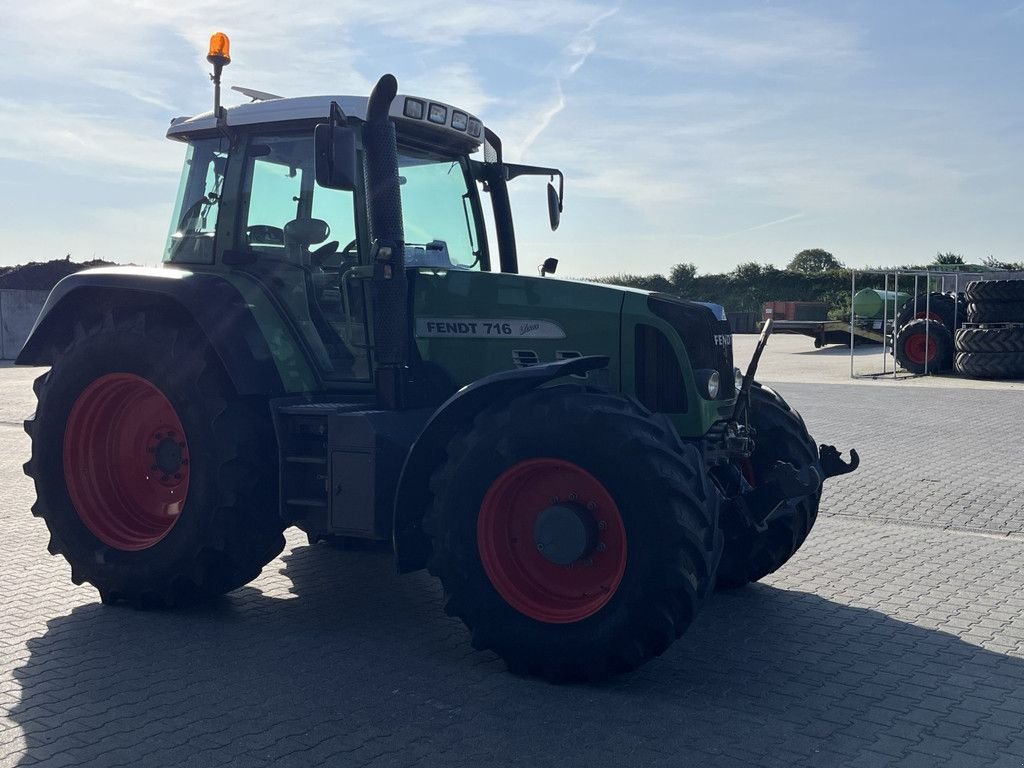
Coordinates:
(384, 203)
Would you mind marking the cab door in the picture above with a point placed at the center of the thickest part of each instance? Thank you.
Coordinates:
(305, 245)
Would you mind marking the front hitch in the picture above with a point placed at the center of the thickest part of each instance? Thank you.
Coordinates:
(832, 464)
(785, 483)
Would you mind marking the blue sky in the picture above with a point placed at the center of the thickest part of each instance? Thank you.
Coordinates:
(712, 133)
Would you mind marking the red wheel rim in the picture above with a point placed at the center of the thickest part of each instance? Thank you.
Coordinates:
(918, 351)
(126, 461)
(530, 583)
(928, 316)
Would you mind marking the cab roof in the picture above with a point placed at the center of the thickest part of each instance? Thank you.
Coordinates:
(446, 124)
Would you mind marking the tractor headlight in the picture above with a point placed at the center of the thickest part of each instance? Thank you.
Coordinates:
(709, 382)
(437, 113)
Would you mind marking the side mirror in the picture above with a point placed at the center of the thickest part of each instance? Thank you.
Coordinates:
(334, 148)
(554, 207)
(548, 267)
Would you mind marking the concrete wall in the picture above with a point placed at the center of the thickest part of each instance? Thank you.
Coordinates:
(18, 312)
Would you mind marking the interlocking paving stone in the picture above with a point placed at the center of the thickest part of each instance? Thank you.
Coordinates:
(894, 637)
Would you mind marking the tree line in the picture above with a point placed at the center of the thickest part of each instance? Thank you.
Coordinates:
(813, 274)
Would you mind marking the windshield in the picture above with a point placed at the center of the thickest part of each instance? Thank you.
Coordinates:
(194, 223)
(438, 208)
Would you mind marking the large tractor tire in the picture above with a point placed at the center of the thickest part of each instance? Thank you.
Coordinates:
(991, 365)
(943, 308)
(996, 312)
(780, 435)
(573, 532)
(992, 340)
(157, 483)
(995, 290)
(924, 346)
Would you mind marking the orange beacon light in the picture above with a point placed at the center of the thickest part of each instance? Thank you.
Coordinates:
(219, 56)
(220, 49)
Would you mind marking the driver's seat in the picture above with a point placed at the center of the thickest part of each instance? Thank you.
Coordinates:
(299, 234)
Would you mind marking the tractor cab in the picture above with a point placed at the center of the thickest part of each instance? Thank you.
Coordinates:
(249, 202)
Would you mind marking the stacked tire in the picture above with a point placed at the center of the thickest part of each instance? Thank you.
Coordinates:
(993, 346)
(924, 331)
(949, 309)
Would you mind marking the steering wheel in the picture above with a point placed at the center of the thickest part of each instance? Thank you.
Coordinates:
(326, 251)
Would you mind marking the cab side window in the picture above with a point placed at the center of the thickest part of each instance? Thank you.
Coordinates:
(287, 214)
(303, 240)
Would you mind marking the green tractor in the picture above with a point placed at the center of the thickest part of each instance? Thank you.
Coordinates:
(331, 343)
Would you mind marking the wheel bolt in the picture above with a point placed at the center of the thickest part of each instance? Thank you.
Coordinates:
(601, 546)
(540, 547)
(573, 496)
(602, 525)
(591, 506)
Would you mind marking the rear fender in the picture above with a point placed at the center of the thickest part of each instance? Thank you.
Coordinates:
(211, 302)
(412, 548)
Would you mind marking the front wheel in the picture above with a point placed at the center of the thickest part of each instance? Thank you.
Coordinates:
(573, 533)
(156, 481)
(779, 435)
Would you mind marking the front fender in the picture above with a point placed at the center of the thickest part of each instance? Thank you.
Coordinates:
(413, 495)
(213, 304)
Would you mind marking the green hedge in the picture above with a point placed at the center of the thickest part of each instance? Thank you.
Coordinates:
(749, 286)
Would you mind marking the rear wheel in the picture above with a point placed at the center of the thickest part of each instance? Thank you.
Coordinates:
(573, 533)
(995, 290)
(995, 340)
(991, 365)
(941, 307)
(749, 554)
(924, 346)
(995, 312)
(156, 481)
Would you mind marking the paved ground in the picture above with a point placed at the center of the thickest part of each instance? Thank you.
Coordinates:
(894, 637)
(794, 359)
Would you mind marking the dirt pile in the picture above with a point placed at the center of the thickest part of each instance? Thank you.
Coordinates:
(42, 276)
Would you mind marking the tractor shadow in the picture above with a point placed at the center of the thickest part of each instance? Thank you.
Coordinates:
(335, 654)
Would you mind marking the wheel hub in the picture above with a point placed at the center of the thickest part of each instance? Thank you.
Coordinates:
(126, 461)
(169, 458)
(918, 350)
(565, 533)
(551, 540)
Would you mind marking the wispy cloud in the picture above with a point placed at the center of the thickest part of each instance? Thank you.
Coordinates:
(756, 227)
(579, 48)
(86, 144)
(765, 41)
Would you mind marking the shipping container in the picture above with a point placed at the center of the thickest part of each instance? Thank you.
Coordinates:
(795, 310)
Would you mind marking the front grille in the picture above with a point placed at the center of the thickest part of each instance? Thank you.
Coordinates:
(659, 381)
(707, 339)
